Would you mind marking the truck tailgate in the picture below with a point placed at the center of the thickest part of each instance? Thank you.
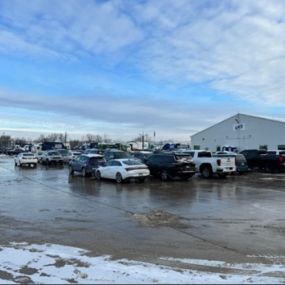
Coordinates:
(228, 162)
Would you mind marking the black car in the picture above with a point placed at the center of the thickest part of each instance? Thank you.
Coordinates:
(142, 155)
(253, 157)
(116, 154)
(86, 164)
(171, 166)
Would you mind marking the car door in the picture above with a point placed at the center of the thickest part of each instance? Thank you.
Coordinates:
(116, 167)
(77, 163)
(106, 170)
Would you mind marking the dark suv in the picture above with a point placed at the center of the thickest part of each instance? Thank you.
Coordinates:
(86, 164)
(253, 157)
(171, 166)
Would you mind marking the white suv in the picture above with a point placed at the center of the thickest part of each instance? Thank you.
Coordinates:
(26, 158)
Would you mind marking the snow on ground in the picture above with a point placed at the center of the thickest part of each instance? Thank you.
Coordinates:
(57, 264)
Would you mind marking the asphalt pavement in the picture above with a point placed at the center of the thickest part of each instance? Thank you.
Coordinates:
(224, 219)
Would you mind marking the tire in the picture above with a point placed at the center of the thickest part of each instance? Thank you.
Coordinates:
(98, 175)
(84, 174)
(119, 178)
(71, 171)
(163, 175)
(141, 180)
(206, 172)
(16, 164)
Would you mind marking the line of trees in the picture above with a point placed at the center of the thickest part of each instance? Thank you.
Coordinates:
(7, 141)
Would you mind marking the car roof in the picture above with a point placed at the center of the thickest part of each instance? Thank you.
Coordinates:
(92, 155)
(124, 159)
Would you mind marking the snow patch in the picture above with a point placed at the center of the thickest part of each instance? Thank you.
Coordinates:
(57, 264)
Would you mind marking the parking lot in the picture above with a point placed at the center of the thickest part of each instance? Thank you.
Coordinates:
(238, 219)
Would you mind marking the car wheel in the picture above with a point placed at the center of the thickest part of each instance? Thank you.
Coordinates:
(141, 180)
(119, 178)
(16, 164)
(83, 171)
(71, 171)
(164, 175)
(206, 172)
(98, 175)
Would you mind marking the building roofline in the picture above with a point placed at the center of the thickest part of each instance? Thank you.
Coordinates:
(252, 116)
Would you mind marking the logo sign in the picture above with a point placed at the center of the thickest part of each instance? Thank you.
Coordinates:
(239, 127)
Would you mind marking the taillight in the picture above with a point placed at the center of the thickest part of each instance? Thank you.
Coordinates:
(219, 162)
(281, 159)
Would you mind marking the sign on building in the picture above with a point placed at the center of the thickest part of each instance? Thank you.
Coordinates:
(239, 127)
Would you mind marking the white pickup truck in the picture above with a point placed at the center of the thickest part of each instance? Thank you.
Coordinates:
(209, 164)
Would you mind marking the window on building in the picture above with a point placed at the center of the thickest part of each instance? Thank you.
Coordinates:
(263, 147)
(196, 147)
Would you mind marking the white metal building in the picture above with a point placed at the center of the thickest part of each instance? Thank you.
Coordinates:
(243, 132)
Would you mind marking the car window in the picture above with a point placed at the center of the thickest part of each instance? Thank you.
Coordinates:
(204, 154)
(83, 158)
(132, 162)
(53, 153)
(96, 161)
(240, 158)
(117, 163)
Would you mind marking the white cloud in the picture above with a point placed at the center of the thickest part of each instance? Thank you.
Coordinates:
(121, 117)
(235, 47)
(238, 50)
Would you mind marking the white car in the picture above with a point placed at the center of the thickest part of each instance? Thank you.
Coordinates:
(26, 158)
(123, 169)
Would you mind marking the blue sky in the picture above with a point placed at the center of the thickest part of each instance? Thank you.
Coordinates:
(122, 67)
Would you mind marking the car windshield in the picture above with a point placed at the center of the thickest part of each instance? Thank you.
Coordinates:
(53, 153)
(97, 161)
(132, 162)
(63, 151)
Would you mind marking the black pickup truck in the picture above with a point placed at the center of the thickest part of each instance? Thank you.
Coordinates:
(270, 161)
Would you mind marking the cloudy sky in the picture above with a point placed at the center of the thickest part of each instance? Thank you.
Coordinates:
(124, 67)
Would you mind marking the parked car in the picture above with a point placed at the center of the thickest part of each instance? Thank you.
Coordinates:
(142, 155)
(86, 164)
(253, 157)
(66, 155)
(116, 154)
(122, 170)
(14, 151)
(91, 151)
(39, 155)
(171, 166)
(27, 159)
(209, 164)
(273, 161)
(52, 156)
(240, 160)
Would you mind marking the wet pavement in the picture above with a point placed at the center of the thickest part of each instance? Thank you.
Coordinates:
(226, 219)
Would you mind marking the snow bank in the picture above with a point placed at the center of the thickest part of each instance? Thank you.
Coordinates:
(57, 264)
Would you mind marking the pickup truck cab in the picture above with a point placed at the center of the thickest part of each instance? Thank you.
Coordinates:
(209, 164)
